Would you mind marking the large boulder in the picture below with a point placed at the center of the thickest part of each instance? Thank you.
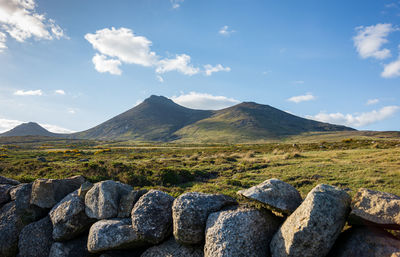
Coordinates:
(128, 201)
(10, 227)
(9, 181)
(171, 248)
(375, 208)
(190, 212)
(152, 216)
(102, 200)
(36, 239)
(240, 232)
(112, 234)
(73, 248)
(5, 193)
(69, 218)
(313, 227)
(48, 192)
(366, 242)
(275, 195)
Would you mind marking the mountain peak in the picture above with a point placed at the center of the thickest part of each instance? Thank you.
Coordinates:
(157, 99)
(28, 129)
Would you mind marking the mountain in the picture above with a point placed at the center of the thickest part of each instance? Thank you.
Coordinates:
(156, 119)
(29, 129)
(160, 119)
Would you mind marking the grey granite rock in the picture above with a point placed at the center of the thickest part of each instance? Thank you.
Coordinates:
(366, 242)
(48, 192)
(190, 212)
(152, 216)
(375, 208)
(102, 200)
(9, 181)
(274, 194)
(35, 239)
(239, 232)
(171, 248)
(5, 193)
(312, 229)
(10, 227)
(69, 218)
(112, 234)
(73, 248)
(128, 201)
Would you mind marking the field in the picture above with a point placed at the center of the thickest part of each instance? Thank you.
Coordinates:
(371, 161)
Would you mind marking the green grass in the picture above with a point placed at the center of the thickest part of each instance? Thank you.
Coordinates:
(215, 168)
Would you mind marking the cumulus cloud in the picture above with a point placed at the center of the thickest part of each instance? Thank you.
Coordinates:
(21, 21)
(29, 92)
(359, 120)
(176, 3)
(209, 69)
(59, 92)
(118, 46)
(392, 69)
(103, 64)
(301, 98)
(225, 31)
(372, 101)
(204, 101)
(7, 124)
(369, 40)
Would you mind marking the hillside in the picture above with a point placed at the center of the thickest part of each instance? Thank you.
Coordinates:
(250, 121)
(29, 129)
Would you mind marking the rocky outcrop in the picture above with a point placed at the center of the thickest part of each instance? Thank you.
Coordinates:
(376, 209)
(172, 248)
(366, 242)
(275, 195)
(239, 232)
(48, 192)
(152, 216)
(313, 227)
(190, 212)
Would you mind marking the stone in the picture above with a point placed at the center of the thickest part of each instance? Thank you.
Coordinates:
(69, 218)
(190, 212)
(239, 232)
(84, 188)
(112, 234)
(10, 227)
(9, 181)
(152, 216)
(366, 242)
(128, 201)
(123, 253)
(102, 200)
(313, 227)
(375, 208)
(35, 239)
(5, 193)
(48, 192)
(171, 248)
(73, 248)
(275, 195)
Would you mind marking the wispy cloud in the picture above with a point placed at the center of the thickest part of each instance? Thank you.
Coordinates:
(28, 92)
(226, 31)
(59, 92)
(359, 120)
(209, 69)
(372, 101)
(301, 98)
(176, 3)
(391, 70)
(204, 101)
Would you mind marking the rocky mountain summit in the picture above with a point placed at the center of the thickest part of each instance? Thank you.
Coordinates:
(73, 217)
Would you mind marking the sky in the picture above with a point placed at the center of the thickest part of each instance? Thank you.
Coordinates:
(70, 64)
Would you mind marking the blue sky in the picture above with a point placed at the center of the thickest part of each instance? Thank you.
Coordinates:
(71, 65)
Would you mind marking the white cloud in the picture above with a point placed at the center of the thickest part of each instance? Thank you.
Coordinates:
(21, 21)
(204, 101)
(102, 64)
(7, 124)
(3, 39)
(209, 69)
(225, 31)
(359, 120)
(392, 69)
(59, 92)
(72, 110)
(29, 92)
(180, 63)
(372, 101)
(176, 3)
(301, 98)
(369, 40)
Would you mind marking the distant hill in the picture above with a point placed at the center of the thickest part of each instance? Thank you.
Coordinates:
(160, 119)
(29, 129)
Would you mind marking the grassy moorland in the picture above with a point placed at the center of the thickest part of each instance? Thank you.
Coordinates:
(371, 161)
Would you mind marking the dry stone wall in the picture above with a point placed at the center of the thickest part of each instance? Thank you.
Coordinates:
(72, 217)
